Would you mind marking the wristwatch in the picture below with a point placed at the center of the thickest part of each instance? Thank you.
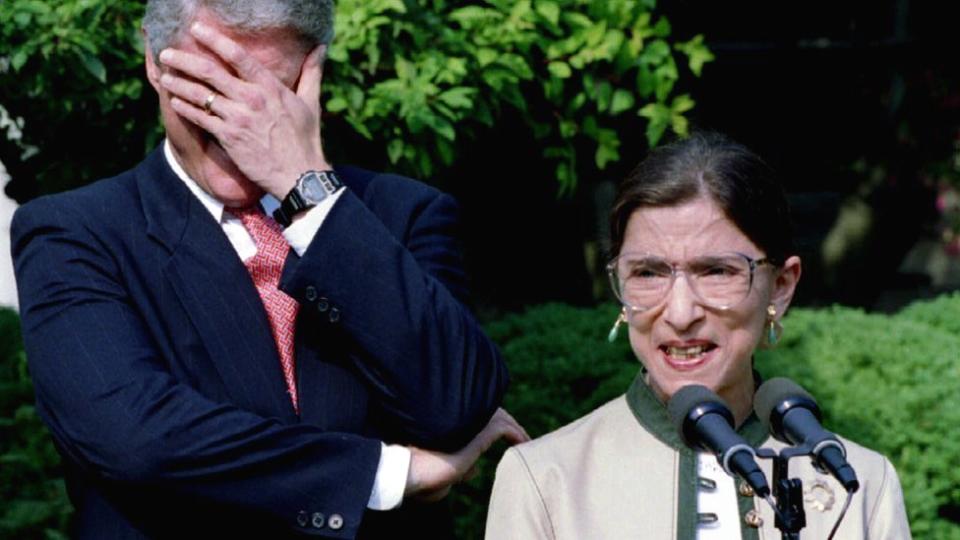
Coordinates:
(311, 188)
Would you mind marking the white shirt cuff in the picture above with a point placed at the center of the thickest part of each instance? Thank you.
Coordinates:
(391, 479)
(301, 232)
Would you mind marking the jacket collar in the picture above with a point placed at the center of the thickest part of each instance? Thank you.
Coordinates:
(652, 415)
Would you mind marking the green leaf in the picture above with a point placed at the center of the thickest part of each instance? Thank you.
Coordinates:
(622, 101)
(517, 64)
(564, 174)
(604, 95)
(395, 150)
(682, 104)
(559, 69)
(659, 116)
(576, 20)
(458, 98)
(568, 128)
(395, 5)
(655, 52)
(486, 56)
(680, 125)
(577, 102)
(94, 66)
(441, 126)
(646, 82)
(336, 104)
(470, 15)
(666, 75)
(606, 152)
(404, 68)
(662, 28)
(548, 10)
(697, 53)
(18, 59)
(22, 18)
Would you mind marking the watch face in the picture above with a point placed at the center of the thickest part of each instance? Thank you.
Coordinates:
(312, 190)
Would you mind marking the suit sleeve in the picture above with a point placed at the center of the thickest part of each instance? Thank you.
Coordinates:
(116, 411)
(517, 510)
(398, 296)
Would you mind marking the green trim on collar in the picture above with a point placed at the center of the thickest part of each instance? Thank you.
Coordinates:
(652, 414)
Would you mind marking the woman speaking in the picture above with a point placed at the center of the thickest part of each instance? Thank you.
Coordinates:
(704, 269)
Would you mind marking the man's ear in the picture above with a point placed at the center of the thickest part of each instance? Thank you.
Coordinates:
(153, 70)
(786, 284)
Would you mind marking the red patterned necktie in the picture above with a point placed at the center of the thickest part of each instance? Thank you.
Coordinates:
(265, 268)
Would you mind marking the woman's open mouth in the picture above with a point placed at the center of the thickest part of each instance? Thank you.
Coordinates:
(688, 356)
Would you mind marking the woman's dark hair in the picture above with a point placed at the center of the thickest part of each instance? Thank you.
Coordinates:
(710, 164)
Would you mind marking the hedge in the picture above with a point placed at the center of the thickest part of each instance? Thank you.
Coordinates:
(890, 382)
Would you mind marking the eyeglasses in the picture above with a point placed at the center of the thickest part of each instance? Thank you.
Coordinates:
(720, 281)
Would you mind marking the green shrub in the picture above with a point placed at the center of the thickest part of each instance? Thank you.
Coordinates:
(33, 501)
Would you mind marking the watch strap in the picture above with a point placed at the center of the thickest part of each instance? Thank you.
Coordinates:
(298, 199)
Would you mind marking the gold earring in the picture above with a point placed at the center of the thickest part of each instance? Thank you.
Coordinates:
(774, 328)
(622, 318)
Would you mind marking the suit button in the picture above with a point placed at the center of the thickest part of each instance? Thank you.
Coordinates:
(303, 519)
(323, 305)
(310, 293)
(745, 489)
(334, 315)
(318, 520)
(335, 522)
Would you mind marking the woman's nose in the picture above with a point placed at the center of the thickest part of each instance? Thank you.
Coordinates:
(683, 308)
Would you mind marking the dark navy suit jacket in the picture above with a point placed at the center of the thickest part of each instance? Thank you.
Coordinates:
(157, 374)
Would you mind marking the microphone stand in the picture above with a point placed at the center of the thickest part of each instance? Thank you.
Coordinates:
(788, 492)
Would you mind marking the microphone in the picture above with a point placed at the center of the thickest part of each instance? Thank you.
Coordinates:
(704, 421)
(793, 417)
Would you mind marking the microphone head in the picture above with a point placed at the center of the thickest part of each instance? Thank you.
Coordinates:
(691, 403)
(777, 396)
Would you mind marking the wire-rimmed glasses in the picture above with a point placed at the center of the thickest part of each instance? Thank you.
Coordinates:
(720, 281)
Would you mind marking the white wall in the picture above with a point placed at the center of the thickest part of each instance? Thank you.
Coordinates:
(8, 289)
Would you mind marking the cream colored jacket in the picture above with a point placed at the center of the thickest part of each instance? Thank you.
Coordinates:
(605, 476)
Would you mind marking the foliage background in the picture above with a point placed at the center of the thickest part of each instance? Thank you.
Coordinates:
(508, 104)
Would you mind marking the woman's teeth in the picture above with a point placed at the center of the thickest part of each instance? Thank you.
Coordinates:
(685, 353)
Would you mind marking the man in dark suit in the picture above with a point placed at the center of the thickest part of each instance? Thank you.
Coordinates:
(203, 371)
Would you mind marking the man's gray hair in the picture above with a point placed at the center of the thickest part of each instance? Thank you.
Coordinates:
(165, 20)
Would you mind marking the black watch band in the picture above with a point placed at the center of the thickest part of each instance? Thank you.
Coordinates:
(311, 188)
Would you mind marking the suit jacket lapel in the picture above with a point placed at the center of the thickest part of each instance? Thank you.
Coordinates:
(215, 290)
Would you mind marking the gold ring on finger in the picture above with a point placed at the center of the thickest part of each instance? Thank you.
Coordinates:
(208, 103)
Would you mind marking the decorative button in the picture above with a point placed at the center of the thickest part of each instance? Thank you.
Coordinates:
(753, 519)
(310, 293)
(819, 495)
(334, 315)
(318, 520)
(302, 519)
(745, 490)
(323, 305)
(335, 522)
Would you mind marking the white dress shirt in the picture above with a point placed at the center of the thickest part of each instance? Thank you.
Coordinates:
(391, 479)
